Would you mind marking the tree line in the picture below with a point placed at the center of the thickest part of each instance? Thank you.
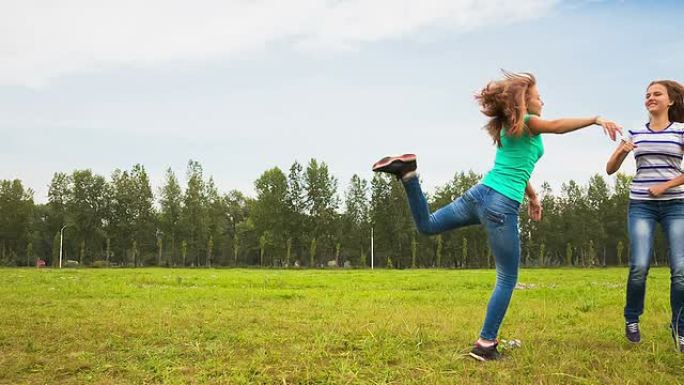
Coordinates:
(297, 218)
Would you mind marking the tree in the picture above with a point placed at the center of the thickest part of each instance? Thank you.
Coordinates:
(312, 252)
(355, 226)
(598, 198)
(574, 211)
(119, 226)
(269, 211)
(322, 203)
(171, 204)
(131, 219)
(217, 220)
(143, 217)
(380, 213)
(193, 215)
(297, 220)
(616, 213)
(237, 212)
(16, 211)
(86, 207)
(58, 194)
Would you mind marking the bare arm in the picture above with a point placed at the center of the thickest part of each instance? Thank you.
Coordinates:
(534, 207)
(561, 126)
(660, 188)
(619, 156)
(529, 191)
(674, 182)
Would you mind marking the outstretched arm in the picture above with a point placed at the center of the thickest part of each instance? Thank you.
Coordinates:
(561, 126)
(619, 155)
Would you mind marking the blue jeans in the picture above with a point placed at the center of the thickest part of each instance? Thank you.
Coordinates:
(499, 215)
(643, 216)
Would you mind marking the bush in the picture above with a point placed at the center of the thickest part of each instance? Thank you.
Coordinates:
(7, 263)
(100, 263)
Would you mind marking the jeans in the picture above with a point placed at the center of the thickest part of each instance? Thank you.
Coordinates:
(643, 216)
(499, 216)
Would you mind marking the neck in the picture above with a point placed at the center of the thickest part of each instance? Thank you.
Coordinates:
(659, 122)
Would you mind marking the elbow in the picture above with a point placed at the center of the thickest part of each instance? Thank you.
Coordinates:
(610, 169)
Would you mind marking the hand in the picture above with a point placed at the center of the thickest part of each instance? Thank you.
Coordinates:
(626, 146)
(610, 128)
(534, 209)
(657, 190)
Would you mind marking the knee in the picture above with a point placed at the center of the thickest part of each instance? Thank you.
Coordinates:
(677, 277)
(678, 283)
(638, 273)
(507, 280)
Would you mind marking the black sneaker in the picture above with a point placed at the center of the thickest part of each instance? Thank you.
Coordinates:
(632, 332)
(482, 353)
(396, 165)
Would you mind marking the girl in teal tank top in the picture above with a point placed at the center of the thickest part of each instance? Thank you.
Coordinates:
(514, 107)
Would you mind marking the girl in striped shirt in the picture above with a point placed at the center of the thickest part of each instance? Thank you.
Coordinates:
(656, 196)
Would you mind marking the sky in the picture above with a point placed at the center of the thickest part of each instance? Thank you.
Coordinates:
(243, 86)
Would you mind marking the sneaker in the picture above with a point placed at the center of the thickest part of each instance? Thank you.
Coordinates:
(396, 165)
(489, 353)
(632, 332)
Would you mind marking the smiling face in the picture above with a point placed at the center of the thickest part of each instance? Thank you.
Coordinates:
(534, 101)
(657, 100)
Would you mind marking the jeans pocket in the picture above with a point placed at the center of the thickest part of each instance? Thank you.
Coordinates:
(494, 217)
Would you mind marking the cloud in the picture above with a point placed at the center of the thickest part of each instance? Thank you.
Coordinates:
(44, 39)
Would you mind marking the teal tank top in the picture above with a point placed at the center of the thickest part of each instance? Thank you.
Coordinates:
(514, 163)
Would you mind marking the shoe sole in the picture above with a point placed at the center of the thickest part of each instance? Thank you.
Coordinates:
(390, 159)
(475, 356)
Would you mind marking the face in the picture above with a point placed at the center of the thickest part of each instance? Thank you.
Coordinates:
(657, 100)
(534, 102)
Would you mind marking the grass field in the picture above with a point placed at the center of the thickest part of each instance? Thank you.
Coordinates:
(166, 326)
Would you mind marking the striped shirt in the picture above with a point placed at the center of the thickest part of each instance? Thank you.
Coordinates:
(658, 159)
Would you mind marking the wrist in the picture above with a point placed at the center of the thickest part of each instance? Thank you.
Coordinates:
(598, 120)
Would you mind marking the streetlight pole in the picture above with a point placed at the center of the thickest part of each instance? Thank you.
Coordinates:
(61, 240)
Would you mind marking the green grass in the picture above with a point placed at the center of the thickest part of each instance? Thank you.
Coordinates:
(165, 326)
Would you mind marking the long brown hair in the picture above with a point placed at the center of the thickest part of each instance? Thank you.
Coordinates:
(505, 103)
(675, 91)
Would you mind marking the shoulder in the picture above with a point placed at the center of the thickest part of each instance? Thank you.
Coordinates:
(527, 117)
(526, 120)
(678, 127)
(634, 132)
